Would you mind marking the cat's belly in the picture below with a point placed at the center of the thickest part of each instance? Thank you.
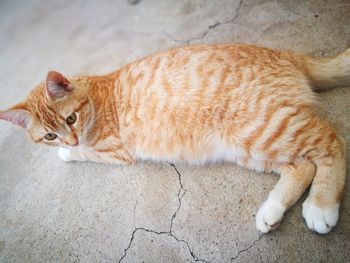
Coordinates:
(211, 150)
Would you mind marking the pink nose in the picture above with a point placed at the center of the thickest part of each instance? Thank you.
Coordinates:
(72, 141)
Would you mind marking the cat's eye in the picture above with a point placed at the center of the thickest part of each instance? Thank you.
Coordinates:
(50, 136)
(71, 119)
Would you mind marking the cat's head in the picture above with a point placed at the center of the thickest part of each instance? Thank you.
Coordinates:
(55, 113)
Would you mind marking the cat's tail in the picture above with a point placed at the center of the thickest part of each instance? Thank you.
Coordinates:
(327, 73)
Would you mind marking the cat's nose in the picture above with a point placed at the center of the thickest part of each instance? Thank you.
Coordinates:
(72, 141)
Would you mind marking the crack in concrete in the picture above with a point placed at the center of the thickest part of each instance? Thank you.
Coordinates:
(180, 195)
(126, 249)
(160, 233)
(137, 200)
(210, 27)
(247, 248)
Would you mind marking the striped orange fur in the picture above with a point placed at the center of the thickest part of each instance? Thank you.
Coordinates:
(242, 103)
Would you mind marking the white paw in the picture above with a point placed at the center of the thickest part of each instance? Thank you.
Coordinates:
(321, 220)
(64, 154)
(269, 215)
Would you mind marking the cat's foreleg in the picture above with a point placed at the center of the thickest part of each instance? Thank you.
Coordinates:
(110, 156)
(67, 155)
(294, 180)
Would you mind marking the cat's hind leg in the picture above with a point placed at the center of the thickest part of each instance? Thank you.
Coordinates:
(294, 180)
(321, 208)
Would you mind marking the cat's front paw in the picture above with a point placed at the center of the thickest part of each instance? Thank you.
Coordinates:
(269, 216)
(64, 154)
(318, 219)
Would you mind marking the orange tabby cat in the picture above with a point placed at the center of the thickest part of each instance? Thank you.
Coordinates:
(241, 103)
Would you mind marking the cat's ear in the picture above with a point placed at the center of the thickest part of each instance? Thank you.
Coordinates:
(57, 86)
(18, 115)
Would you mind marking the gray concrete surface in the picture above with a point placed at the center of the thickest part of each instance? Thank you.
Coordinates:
(72, 212)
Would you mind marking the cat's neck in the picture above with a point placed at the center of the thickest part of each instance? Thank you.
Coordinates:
(104, 119)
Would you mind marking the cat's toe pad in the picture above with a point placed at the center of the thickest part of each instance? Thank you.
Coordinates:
(321, 220)
(64, 154)
(269, 216)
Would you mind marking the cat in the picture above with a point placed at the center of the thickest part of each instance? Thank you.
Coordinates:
(242, 103)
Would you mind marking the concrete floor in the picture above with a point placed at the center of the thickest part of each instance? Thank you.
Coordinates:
(71, 212)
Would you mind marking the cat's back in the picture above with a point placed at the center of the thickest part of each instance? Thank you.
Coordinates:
(204, 61)
(198, 79)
